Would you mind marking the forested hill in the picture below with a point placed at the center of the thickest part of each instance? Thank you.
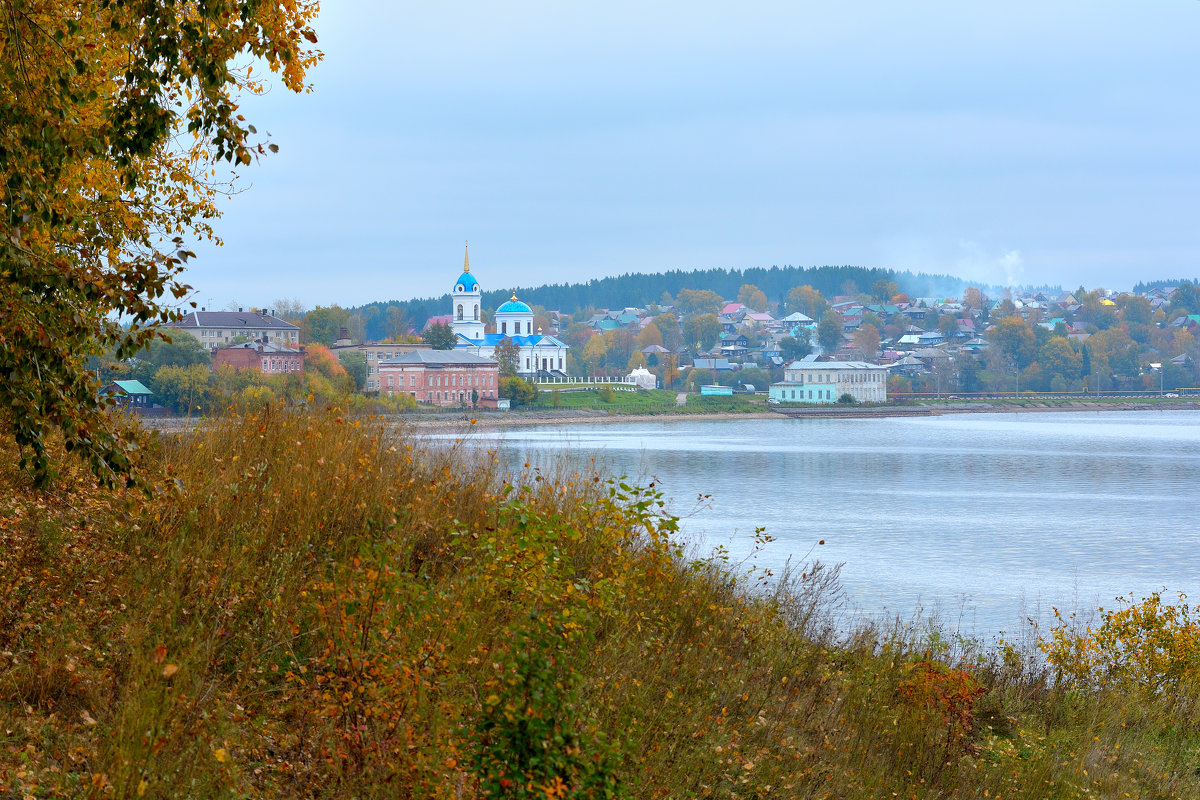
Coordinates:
(639, 289)
(1145, 286)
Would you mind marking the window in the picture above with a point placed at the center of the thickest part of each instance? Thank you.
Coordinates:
(460, 316)
(503, 327)
(477, 313)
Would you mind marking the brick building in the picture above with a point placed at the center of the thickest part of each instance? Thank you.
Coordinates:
(441, 377)
(261, 356)
(376, 353)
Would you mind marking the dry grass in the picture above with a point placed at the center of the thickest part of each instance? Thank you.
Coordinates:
(314, 606)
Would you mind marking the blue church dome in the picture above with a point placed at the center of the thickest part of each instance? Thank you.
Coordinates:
(467, 283)
(514, 306)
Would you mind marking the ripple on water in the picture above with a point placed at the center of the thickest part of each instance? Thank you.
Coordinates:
(990, 515)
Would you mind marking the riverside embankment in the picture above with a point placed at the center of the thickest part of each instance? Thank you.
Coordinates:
(485, 419)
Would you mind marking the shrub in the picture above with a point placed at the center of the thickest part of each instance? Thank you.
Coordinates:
(519, 391)
(1147, 647)
(253, 398)
(530, 743)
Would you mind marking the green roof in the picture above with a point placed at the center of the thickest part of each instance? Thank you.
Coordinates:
(132, 387)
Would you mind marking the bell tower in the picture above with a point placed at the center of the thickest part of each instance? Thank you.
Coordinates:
(466, 312)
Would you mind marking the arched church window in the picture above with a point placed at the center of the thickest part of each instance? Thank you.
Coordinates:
(477, 313)
(460, 311)
(504, 327)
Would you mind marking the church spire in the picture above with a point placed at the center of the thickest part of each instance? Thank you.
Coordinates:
(466, 256)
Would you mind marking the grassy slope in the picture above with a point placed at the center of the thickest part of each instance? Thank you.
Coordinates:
(654, 401)
(316, 608)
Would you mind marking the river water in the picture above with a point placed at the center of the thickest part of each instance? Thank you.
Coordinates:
(984, 519)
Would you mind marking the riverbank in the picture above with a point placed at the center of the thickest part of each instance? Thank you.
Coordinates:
(489, 420)
(933, 409)
(310, 607)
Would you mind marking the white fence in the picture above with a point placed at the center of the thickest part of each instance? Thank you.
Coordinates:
(594, 381)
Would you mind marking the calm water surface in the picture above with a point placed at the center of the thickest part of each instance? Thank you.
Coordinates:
(987, 518)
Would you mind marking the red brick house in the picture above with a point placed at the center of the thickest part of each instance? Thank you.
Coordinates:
(264, 357)
(442, 377)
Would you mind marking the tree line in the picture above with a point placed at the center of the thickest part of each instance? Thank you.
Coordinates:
(635, 290)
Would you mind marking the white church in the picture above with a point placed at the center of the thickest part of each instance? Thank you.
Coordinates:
(542, 355)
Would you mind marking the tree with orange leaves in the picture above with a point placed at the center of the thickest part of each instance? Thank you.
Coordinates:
(114, 118)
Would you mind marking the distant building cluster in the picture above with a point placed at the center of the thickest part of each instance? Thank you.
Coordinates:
(802, 348)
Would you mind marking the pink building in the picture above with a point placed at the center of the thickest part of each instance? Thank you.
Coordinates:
(442, 377)
(264, 357)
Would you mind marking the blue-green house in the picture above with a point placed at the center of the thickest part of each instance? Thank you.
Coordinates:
(794, 392)
(128, 393)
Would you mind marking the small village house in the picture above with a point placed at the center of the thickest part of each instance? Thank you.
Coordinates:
(132, 394)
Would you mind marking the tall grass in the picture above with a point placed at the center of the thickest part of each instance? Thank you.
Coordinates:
(316, 606)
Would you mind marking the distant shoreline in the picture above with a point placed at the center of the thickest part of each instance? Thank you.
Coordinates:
(516, 418)
(493, 419)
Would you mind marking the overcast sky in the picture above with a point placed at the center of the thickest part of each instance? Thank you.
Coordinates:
(1027, 142)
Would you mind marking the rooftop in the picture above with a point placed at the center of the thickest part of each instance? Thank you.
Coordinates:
(233, 319)
(832, 365)
(263, 347)
(438, 358)
(132, 387)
